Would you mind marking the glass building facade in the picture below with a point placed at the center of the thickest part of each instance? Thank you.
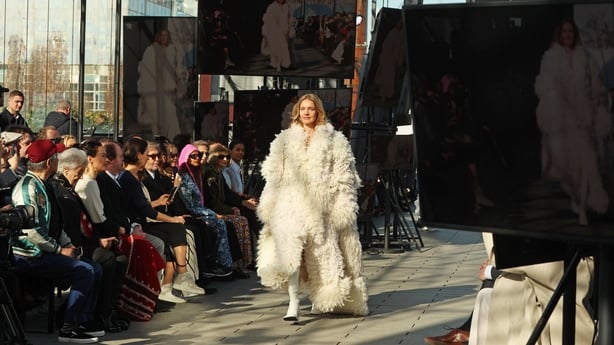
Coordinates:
(39, 52)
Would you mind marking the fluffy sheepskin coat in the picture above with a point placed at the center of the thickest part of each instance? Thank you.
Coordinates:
(308, 208)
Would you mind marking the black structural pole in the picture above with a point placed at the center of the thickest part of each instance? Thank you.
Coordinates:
(81, 68)
(118, 32)
(605, 311)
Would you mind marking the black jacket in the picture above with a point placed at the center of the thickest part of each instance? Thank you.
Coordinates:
(7, 119)
(62, 122)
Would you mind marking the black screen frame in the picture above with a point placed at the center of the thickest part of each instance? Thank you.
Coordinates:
(601, 227)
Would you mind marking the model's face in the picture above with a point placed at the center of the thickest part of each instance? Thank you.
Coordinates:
(308, 113)
(163, 38)
(567, 35)
(15, 104)
(98, 162)
(237, 152)
(153, 160)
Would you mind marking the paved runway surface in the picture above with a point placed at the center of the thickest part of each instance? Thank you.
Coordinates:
(412, 294)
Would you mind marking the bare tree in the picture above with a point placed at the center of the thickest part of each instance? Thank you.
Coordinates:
(16, 62)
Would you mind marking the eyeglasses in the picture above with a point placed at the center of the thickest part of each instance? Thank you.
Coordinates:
(154, 156)
(223, 157)
(196, 155)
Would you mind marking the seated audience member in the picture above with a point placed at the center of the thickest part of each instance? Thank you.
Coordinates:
(170, 156)
(49, 133)
(216, 162)
(170, 229)
(215, 196)
(46, 250)
(76, 222)
(191, 188)
(139, 295)
(27, 136)
(69, 140)
(158, 186)
(12, 168)
(233, 173)
(479, 315)
(519, 296)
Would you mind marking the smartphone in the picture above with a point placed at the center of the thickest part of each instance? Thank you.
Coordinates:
(77, 252)
(12, 150)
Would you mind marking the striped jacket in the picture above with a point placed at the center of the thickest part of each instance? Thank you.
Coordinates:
(30, 190)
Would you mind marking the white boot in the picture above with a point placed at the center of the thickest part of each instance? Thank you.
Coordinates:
(294, 305)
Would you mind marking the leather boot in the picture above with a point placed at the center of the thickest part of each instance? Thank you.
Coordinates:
(294, 305)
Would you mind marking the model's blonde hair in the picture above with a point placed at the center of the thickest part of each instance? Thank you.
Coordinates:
(321, 113)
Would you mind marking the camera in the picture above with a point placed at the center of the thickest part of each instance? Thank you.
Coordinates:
(15, 219)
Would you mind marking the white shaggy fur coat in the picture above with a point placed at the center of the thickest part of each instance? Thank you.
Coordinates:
(308, 208)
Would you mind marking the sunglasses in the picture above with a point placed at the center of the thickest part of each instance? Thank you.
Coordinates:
(196, 155)
(204, 153)
(223, 157)
(172, 155)
(154, 156)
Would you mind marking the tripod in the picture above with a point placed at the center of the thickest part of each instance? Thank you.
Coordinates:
(396, 195)
(11, 330)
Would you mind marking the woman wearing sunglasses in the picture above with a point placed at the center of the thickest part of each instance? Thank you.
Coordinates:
(221, 199)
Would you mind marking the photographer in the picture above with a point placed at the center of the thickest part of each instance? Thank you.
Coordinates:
(9, 175)
(47, 251)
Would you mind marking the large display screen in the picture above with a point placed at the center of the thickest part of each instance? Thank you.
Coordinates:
(260, 114)
(513, 106)
(159, 75)
(302, 38)
(385, 67)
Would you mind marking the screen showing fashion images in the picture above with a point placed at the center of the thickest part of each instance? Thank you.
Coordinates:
(513, 115)
(211, 121)
(160, 80)
(260, 114)
(385, 67)
(302, 38)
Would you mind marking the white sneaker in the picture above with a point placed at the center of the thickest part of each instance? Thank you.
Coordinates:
(185, 283)
(166, 294)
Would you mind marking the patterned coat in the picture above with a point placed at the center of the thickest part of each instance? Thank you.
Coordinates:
(308, 208)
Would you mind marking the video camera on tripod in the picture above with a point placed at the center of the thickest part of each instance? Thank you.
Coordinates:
(13, 220)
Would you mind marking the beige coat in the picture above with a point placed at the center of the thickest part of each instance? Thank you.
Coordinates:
(308, 208)
(519, 297)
